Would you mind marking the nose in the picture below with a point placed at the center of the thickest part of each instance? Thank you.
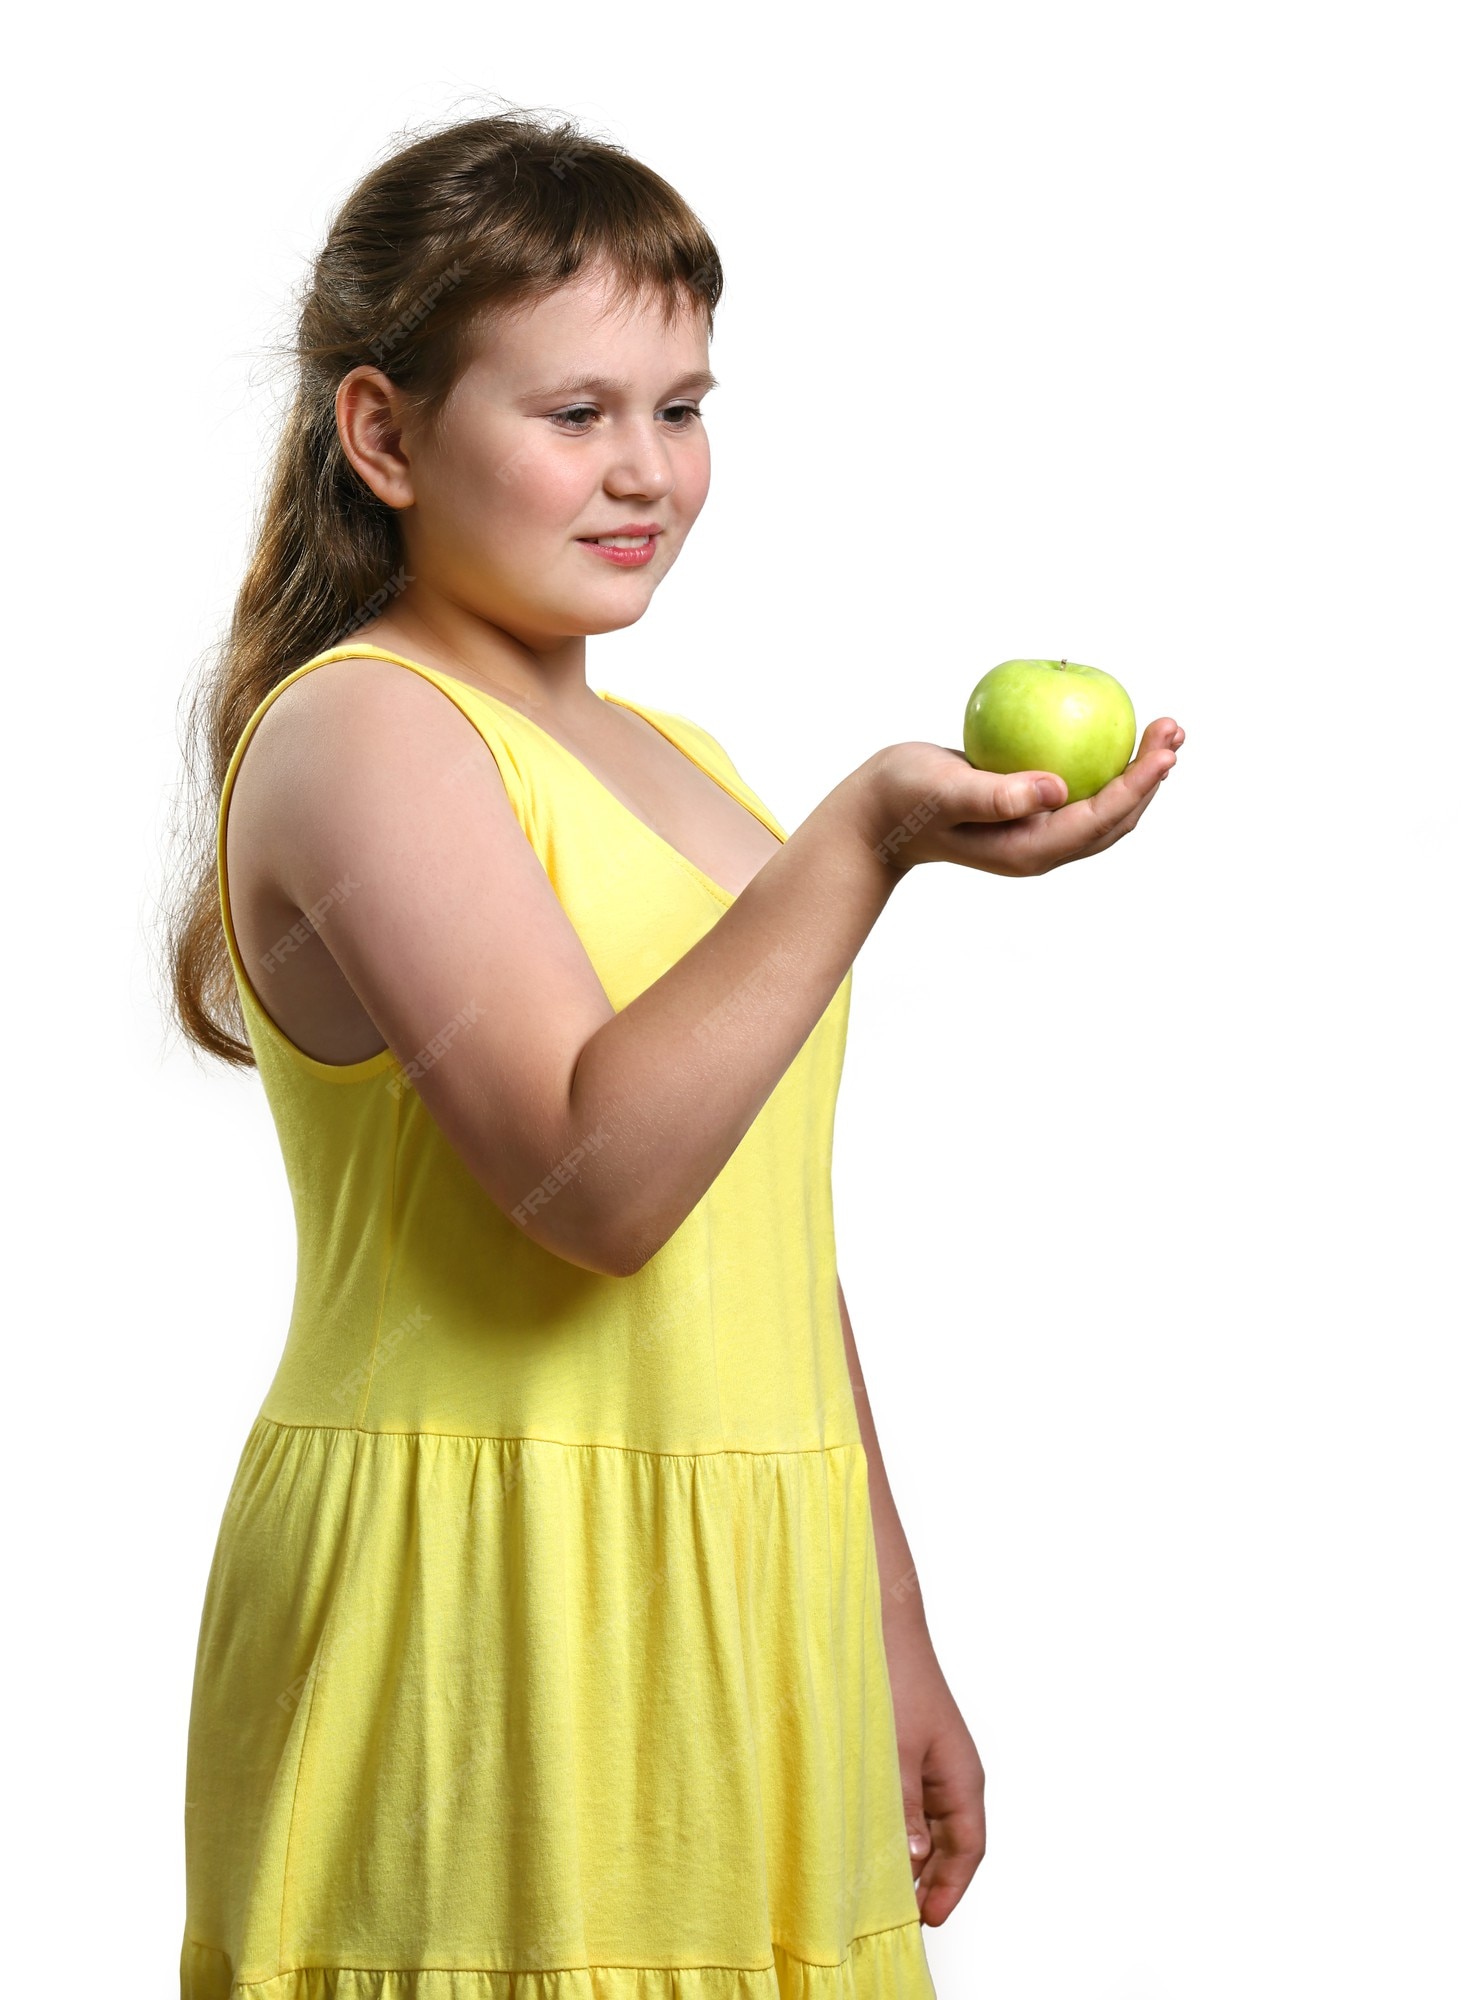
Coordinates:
(640, 461)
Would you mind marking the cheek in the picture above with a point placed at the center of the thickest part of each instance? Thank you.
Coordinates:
(510, 482)
(693, 478)
(544, 486)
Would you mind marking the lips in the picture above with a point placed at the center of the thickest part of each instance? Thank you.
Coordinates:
(630, 552)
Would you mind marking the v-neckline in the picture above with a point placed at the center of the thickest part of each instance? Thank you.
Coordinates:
(764, 818)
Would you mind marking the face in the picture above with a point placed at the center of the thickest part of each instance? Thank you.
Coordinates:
(577, 419)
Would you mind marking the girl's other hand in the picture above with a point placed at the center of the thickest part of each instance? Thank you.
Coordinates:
(928, 803)
(942, 1778)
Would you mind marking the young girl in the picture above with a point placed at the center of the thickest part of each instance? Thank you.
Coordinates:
(561, 1640)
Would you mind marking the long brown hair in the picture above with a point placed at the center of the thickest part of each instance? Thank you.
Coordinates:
(487, 213)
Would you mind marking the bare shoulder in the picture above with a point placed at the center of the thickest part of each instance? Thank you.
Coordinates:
(349, 737)
(365, 697)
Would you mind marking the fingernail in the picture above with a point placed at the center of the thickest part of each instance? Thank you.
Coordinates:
(1047, 790)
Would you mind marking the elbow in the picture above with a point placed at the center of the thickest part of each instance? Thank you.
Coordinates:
(625, 1254)
(582, 1220)
(592, 1242)
(631, 1248)
(588, 1250)
(627, 1242)
(617, 1257)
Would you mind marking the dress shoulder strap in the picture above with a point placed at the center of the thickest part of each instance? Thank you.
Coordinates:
(705, 750)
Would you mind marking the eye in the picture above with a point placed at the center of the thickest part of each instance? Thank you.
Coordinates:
(568, 419)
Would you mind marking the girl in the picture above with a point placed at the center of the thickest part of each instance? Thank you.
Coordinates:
(561, 1639)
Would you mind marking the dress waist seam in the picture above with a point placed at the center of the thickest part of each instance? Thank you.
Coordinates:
(565, 1444)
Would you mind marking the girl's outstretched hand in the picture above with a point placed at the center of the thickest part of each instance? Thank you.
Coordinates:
(930, 804)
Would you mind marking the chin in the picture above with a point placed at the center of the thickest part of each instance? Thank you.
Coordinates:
(595, 622)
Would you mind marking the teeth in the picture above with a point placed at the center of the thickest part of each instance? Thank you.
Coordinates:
(623, 541)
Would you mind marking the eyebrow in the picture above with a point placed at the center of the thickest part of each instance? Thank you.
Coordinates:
(605, 385)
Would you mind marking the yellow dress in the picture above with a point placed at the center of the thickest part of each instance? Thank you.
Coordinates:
(541, 1655)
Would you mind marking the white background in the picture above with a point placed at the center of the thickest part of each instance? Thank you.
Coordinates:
(1147, 336)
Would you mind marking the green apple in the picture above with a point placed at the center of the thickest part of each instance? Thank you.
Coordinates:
(1050, 715)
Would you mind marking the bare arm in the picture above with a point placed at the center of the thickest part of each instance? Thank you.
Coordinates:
(902, 1612)
(684, 1069)
(942, 1774)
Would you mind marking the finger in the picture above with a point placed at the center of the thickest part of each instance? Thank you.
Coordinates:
(1026, 794)
(1125, 825)
(949, 1868)
(1011, 795)
(1133, 786)
(1049, 838)
(1110, 838)
(1162, 734)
